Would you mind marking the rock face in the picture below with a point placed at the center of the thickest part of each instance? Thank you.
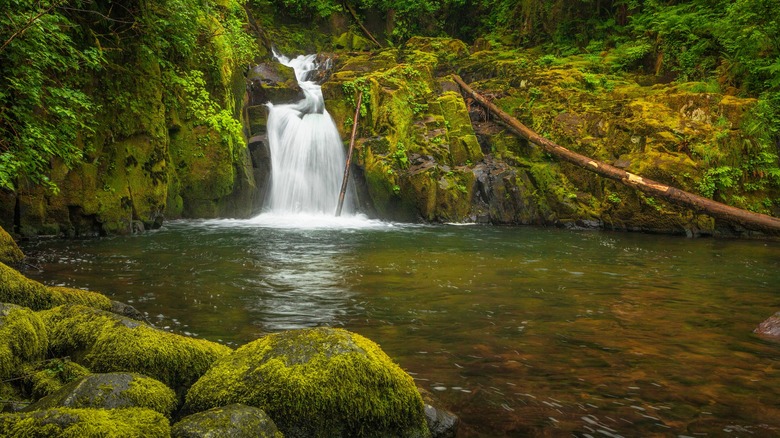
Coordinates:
(422, 159)
(316, 382)
(167, 142)
(111, 391)
(770, 327)
(232, 421)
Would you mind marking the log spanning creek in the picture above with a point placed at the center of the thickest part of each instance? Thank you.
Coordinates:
(519, 331)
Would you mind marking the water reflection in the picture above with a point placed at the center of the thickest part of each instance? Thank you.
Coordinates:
(521, 332)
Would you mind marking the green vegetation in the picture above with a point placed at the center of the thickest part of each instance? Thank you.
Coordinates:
(316, 382)
(86, 423)
(105, 342)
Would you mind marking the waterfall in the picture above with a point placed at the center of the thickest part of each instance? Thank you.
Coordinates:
(307, 154)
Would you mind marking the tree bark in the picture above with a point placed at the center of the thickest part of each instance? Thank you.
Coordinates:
(748, 219)
(349, 155)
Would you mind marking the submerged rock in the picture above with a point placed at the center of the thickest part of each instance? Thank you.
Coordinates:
(770, 327)
(111, 391)
(233, 421)
(441, 422)
(105, 342)
(86, 423)
(316, 382)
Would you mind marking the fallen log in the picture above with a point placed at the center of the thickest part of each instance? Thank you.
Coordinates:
(748, 219)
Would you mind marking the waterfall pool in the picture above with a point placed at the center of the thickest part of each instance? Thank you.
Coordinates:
(519, 331)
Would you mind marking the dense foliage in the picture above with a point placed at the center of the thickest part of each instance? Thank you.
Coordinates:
(64, 62)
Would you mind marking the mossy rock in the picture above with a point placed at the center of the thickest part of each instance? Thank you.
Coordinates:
(316, 382)
(85, 423)
(10, 254)
(15, 288)
(105, 342)
(23, 338)
(232, 421)
(111, 391)
(46, 377)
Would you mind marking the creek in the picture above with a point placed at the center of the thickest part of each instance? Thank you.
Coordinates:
(519, 331)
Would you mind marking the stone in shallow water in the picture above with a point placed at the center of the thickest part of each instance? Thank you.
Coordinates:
(234, 421)
(770, 327)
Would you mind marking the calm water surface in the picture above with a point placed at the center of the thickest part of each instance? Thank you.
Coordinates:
(519, 331)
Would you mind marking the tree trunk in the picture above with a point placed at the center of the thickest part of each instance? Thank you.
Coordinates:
(349, 155)
(748, 219)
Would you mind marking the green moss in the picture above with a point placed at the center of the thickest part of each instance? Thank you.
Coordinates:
(15, 288)
(112, 391)
(316, 382)
(23, 338)
(9, 252)
(105, 342)
(234, 420)
(85, 423)
(46, 377)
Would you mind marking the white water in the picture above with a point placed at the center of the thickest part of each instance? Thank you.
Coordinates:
(307, 154)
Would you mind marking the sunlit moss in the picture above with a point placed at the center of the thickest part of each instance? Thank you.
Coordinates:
(86, 423)
(23, 337)
(105, 342)
(9, 251)
(15, 288)
(316, 382)
(112, 391)
(46, 377)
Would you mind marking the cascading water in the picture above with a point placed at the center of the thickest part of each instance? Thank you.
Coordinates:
(307, 154)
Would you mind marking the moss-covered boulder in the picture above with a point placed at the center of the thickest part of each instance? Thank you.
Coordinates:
(85, 423)
(111, 391)
(15, 288)
(10, 253)
(232, 421)
(316, 382)
(23, 338)
(46, 377)
(105, 342)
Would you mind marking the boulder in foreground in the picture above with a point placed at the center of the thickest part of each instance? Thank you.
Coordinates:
(316, 382)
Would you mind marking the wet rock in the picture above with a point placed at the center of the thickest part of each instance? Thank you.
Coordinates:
(234, 421)
(441, 422)
(85, 423)
(770, 327)
(316, 382)
(111, 391)
(126, 310)
(272, 82)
